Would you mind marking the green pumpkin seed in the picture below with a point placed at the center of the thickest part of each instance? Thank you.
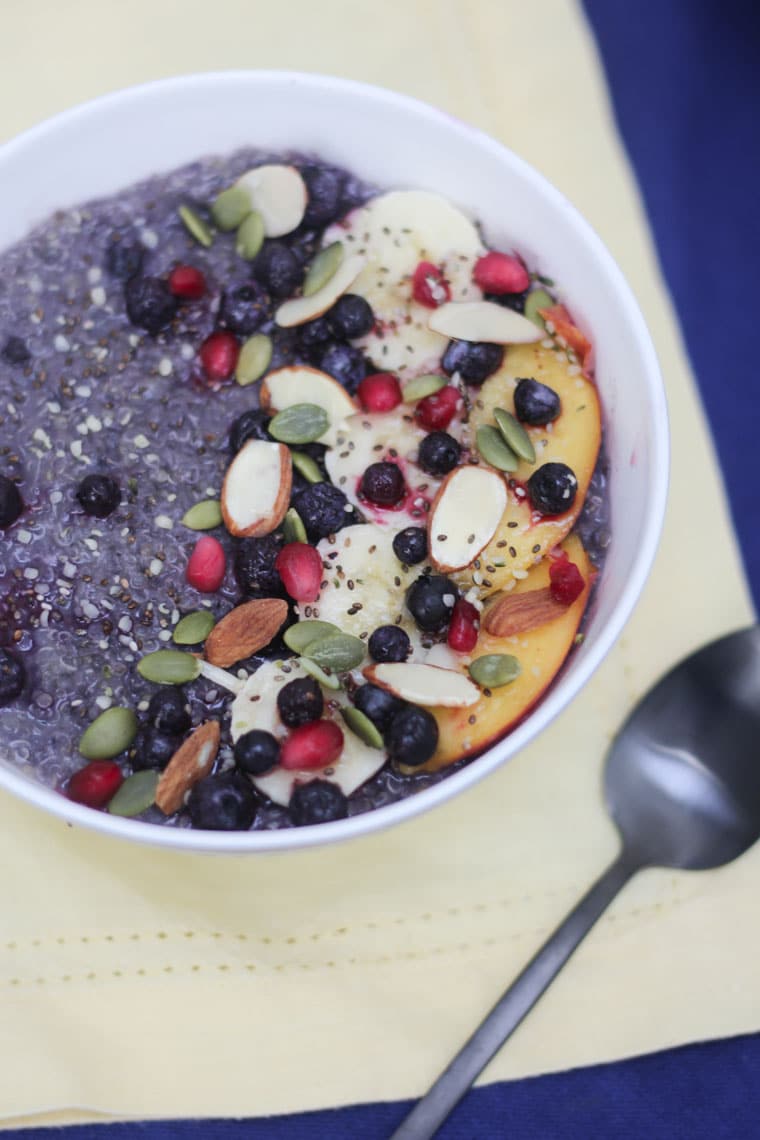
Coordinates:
(494, 670)
(422, 386)
(169, 667)
(300, 423)
(136, 794)
(339, 652)
(360, 723)
(515, 435)
(196, 226)
(307, 467)
(300, 636)
(204, 515)
(324, 266)
(293, 528)
(109, 735)
(250, 236)
(193, 628)
(254, 359)
(494, 450)
(538, 299)
(329, 680)
(231, 207)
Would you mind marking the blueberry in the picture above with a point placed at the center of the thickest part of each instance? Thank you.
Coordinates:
(383, 484)
(350, 317)
(153, 748)
(474, 361)
(225, 802)
(536, 403)
(11, 503)
(345, 364)
(251, 425)
(254, 566)
(412, 736)
(313, 335)
(124, 257)
(15, 351)
(169, 712)
(12, 677)
(515, 301)
(256, 752)
(300, 702)
(552, 488)
(377, 704)
(244, 308)
(98, 495)
(410, 545)
(319, 801)
(389, 643)
(323, 510)
(430, 600)
(324, 190)
(438, 453)
(278, 269)
(150, 305)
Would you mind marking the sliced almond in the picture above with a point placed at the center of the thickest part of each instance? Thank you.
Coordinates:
(244, 630)
(190, 763)
(299, 384)
(465, 516)
(302, 309)
(424, 684)
(256, 489)
(483, 321)
(279, 194)
(517, 613)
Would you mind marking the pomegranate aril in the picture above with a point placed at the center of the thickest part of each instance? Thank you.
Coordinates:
(218, 355)
(380, 392)
(300, 568)
(95, 784)
(436, 412)
(429, 287)
(501, 273)
(187, 282)
(314, 745)
(565, 581)
(207, 565)
(463, 627)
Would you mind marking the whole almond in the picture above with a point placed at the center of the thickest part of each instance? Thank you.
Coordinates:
(244, 630)
(192, 761)
(517, 613)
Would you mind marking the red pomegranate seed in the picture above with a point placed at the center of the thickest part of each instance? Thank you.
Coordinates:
(187, 282)
(312, 745)
(95, 784)
(464, 626)
(566, 581)
(207, 565)
(436, 412)
(380, 392)
(300, 568)
(501, 273)
(429, 286)
(218, 355)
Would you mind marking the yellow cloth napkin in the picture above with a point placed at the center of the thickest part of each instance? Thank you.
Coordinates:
(143, 983)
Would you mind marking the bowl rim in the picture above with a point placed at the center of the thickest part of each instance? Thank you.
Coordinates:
(556, 699)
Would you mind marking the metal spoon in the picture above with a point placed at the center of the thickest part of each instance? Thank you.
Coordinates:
(682, 782)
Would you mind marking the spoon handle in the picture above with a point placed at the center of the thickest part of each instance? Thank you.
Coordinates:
(429, 1113)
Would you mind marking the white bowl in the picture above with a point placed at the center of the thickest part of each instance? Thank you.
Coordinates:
(103, 146)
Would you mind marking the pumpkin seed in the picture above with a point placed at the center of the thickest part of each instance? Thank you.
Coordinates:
(360, 723)
(231, 207)
(299, 636)
(110, 734)
(300, 423)
(254, 359)
(324, 266)
(136, 794)
(193, 628)
(515, 435)
(538, 299)
(329, 680)
(494, 450)
(307, 467)
(494, 670)
(250, 236)
(204, 515)
(196, 226)
(169, 667)
(422, 386)
(338, 652)
(292, 527)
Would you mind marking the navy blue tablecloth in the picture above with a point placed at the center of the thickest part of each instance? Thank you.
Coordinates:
(685, 84)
